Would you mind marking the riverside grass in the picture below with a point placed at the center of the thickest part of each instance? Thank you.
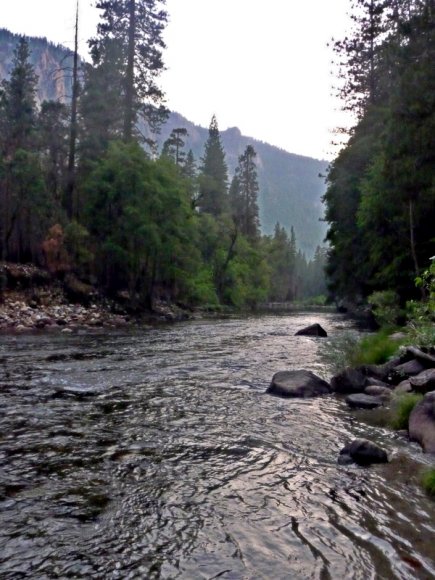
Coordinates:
(428, 481)
(402, 409)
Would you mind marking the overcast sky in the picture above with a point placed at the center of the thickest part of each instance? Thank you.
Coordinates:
(261, 66)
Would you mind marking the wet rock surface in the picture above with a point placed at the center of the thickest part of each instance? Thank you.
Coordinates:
(422, 423)
(362, 452)
(363, 401)
(298, 384)
(312, 330)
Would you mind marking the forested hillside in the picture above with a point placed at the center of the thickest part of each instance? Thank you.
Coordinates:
(381, 188)
(290, 186)
(86, 193)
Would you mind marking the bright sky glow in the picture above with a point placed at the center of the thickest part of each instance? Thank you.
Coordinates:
(261, 66)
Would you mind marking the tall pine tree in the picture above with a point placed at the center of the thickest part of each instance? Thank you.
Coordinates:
(244, 193)
(137, 27)
(213, 185)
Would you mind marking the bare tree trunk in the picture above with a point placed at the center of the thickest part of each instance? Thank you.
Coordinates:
(71, 206)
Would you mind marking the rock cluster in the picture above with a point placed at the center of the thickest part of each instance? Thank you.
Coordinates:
(18, 315)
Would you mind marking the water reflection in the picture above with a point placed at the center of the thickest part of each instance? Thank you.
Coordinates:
(156, 454)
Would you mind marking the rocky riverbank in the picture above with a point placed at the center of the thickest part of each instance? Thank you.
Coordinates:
(32, 302)
(411, 372)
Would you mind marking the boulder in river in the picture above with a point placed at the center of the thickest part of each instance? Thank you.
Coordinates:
(422, 423)
(298, 384)
(349, 381)
(363, 401)
(312, 330)
(362, 452)
(423, 382)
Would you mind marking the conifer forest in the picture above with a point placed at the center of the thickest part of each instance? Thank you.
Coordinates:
(85, 189)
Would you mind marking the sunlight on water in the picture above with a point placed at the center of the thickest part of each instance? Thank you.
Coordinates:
(156, 454)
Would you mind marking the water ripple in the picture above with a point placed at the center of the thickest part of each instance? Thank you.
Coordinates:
(155, 453)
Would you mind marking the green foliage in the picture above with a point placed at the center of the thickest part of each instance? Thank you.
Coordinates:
(385, 306)
(421, 314)
(380, 197)
(244, 193)
(213, 179)
(428, 481)
(77, 243)
(402, 408)
(375, 349)
(337, 352)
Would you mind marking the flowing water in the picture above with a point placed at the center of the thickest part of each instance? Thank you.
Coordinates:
(155, 453)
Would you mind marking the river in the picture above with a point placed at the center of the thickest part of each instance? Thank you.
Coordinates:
(155, 453)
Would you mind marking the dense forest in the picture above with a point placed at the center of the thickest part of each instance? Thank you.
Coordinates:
(85, 192)
(381, 187)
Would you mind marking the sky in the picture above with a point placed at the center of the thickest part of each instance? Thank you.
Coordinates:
(264, 67)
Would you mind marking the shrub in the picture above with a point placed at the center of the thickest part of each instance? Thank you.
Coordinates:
(402, 409)
(428, 481)
(386, 308)
(375, 349)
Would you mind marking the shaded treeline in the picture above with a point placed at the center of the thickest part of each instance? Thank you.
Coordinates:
(381, 187)
(83, 192)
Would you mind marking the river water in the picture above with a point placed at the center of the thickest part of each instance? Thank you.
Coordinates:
(155, 453)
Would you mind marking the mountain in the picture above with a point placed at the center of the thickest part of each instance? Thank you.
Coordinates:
(52, 63)
(290, 186)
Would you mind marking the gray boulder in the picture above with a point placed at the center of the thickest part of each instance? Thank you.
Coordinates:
(362, 452)
(378, 391)
(301, 384)
(403, 387)
(422, 423)
(405, 370)
(312, 330)
(362, 401)
(349, 381)
(423, 382)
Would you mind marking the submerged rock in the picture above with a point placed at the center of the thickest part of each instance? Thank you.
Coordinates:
(301, 384)
(312, 330)
(363, 401)
(362, 452)
(422, 423)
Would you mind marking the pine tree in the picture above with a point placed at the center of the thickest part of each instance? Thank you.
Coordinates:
(136, 26)
(213, 186)
(173, 147)
(21, 186)
(244, 193)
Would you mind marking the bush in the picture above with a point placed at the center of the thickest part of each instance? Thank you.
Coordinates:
(386, 308)
(402, 409)
(421, 315)
(428, 481)
(375, 349)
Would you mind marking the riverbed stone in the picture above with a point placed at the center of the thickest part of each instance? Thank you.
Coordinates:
(378, 391)
(423, 382)
(349, 381)
(298, 384)
(362, 452)
(407, 369)
(363, 401)
(312, 330)
(422, 423)
(403, 387)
